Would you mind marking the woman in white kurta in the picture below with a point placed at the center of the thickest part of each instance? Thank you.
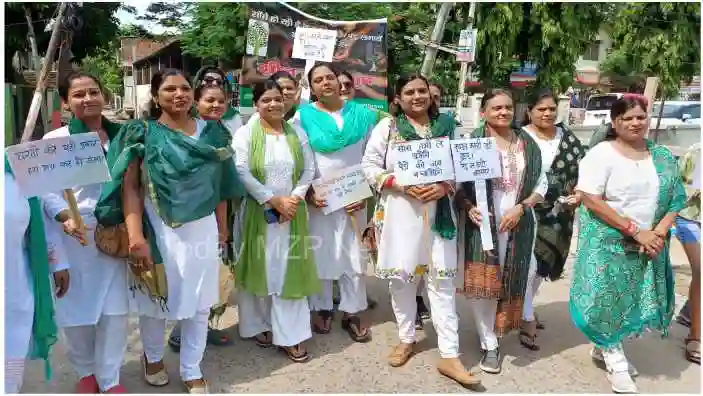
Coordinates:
(417, 227)
(93, 315)
(175, 171)
(33, 249)
(275, 272)
(338, 131)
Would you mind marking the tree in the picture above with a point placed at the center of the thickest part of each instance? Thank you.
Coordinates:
(168, 15)
(105, 64)
(216, 32)
(657, 39)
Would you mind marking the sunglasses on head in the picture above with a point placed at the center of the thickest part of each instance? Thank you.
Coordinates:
(212, 81)
(347, 85)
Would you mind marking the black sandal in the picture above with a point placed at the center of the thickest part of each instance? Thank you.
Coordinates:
(264, 342)
(325, 316)
(294, 354)
(528, 340)
(352, 324)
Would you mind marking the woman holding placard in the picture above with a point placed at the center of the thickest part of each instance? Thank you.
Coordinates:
(416, 227)
(170, 173)
(499, 295)
(623, 281)
(338, 131)
(93, 314)
(275, 271)
(561, 152)
(33, 251)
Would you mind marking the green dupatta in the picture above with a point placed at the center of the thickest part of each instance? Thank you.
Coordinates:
(555, 222)
(483, 277)
(185, 178)
(44, 330)
(442, 126)
(250, 272)
(322, 130)
(616, 292)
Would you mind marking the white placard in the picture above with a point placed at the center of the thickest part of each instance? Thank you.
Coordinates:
(475, 159)
(467, 45)
(51, 165)
(314, 44)
(482, 204)
(696, 176)
(422, 161)
(343, 188)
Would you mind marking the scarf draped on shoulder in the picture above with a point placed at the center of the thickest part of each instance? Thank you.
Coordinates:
(322, 130)
(250, 272)
(44, 329)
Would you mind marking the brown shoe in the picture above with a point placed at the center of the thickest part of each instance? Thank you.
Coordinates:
(400, 355)
(453, 369)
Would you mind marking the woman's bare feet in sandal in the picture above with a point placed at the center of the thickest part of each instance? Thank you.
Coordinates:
(693, 350)
(155, 373)
(264, 339)
(528, 335)
(322, 322)
(297, 353)
(196, 386)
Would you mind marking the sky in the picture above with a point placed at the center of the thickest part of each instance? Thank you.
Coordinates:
(141, 6)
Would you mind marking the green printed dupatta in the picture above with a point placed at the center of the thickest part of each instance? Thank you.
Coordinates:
(185, 178)
(555, 222)
(44, 329)
(301, 278)
(324, 135)
(482, 275)
(616, 292)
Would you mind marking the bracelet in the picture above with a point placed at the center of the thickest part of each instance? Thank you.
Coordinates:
(388, 183)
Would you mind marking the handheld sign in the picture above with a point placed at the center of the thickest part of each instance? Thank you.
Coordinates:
(52, 165)
(343, 188)
(476, 160)
(314, 44)
(422, 161)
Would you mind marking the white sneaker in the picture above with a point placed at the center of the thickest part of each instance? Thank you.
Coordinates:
(597, 355)
(622, 382)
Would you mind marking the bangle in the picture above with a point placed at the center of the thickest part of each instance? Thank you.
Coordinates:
(388, 183)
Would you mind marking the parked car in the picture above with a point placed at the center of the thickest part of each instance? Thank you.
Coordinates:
(598, 109)
(676, 113)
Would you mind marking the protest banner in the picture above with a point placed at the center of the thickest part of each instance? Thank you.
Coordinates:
(343, 188)
(475, 159)
(422, 161)
(359, 47)
(52, 165)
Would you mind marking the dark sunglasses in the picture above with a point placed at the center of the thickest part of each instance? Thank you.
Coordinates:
(212, 81)
(347, 85)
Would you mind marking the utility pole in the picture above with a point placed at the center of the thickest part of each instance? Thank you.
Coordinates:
(437, 32)
(36, 60)
(465, 67)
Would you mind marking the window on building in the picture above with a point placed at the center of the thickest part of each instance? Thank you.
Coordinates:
(128, 71)
(593, 52)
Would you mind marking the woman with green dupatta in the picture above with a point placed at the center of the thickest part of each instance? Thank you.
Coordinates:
(212, 76)
(496, 280)
(275, 271)
(170, 174)
(97, 303)
(415, 227)
(623, 282)
(561, 152)
(33, 252)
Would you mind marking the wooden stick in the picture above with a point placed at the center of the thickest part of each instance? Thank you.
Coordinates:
(360, 238)
(75, 213)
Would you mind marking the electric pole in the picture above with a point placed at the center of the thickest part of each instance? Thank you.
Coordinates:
(465, 67)
(437, 33)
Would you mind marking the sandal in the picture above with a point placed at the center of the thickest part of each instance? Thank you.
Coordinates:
(294, 353)
(693, 350)
(327, 317)
(264, 339)
(352, 324)
(217, 338)
(528, 340)
(174, 341)
(198, 386)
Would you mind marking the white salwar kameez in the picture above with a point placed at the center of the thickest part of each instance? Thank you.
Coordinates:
(337, 248)
(407, 241)
(191, 262)
(19, 293)
(288, 320)
(93, 314)
(505, 195)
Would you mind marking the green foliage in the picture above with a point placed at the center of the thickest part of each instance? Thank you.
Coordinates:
(104, 63)
(657, 39)
(167, 14)
(217, 31)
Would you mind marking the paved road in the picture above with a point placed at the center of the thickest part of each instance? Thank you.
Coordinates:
(340, 366)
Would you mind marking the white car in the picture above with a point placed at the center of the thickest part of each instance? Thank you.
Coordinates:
(598, 109)
(676, 113)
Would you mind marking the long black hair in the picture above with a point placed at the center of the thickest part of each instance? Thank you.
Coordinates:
(400, 83)
(156, 82)
(534, 100)
(622, 106)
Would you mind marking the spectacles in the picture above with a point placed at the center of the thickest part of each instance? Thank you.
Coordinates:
(347, 85)
(212, 81)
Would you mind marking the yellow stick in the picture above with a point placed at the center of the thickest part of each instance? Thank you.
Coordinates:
(75, 213)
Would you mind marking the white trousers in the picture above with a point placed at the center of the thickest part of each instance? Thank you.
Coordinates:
(193, 342)
(352, 292)
(441, 294)
(288, 320)
(533, 283)
(98, 349)
(18, 334)
(615, 359)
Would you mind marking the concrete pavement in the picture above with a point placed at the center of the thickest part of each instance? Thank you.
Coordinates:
(562, 365)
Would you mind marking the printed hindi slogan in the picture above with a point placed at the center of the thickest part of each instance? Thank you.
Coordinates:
(343, 188)
(475, 159)
(53, 165)
(422, 161)
(314, 44)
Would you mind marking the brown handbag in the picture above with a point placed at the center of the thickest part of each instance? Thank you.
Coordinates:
(112, 240)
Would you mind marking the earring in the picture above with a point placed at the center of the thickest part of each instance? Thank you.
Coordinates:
(156, 102)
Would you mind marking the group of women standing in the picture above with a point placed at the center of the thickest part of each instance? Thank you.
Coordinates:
(198, 193)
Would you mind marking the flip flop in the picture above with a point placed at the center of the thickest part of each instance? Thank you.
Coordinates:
(352, 324)
(264, 343)
(218, 337)
(325, 316)
(296, 357)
